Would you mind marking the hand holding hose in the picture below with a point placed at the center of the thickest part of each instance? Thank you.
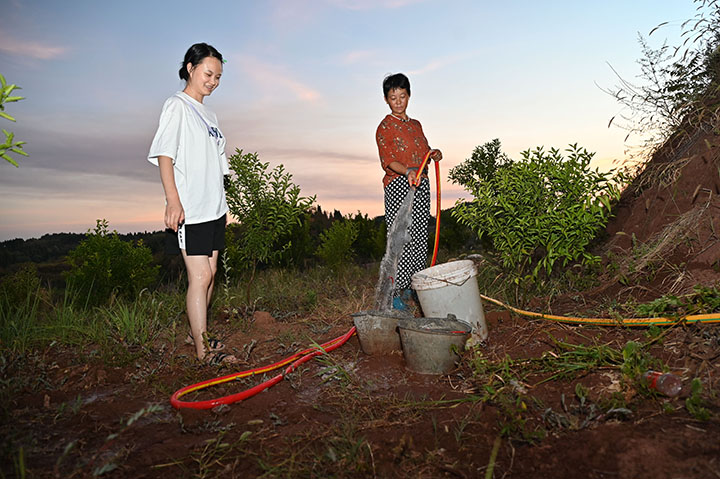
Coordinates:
(430, 154)
(411, 175)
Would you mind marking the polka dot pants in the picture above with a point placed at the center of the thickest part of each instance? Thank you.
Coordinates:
(414, 256)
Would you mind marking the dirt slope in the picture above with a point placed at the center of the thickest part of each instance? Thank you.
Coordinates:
(663, 238)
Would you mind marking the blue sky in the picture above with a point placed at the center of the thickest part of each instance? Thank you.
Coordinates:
(302, 87)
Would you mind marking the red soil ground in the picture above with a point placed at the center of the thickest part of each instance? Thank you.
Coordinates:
(380, 422)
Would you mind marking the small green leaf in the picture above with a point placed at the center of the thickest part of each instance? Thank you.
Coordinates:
(10, 160)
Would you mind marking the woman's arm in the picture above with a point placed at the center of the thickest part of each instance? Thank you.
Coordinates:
(401, 169)
(174, 212)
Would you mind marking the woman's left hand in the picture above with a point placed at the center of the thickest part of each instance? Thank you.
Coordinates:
(436, 155)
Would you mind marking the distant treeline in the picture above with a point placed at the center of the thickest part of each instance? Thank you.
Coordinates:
(51, 250)
(54, 247)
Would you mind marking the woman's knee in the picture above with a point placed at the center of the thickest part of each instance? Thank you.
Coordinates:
(200, 277)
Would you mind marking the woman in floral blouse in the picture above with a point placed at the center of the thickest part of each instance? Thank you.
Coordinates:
(402, 146)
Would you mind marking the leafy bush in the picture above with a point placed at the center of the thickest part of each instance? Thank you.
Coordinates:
(483, 164)
(20, 295)
(103, 264)
(17, 287)
(370, 242)
(455, 237)
(303, 244)
(10, 144)
(267, 205)
(536, 213)
(336, 243)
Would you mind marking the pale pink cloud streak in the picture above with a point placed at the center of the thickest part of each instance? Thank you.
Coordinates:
(442, 62)
(358, 56)
(35, 50)
(275, 79)
(372, 4)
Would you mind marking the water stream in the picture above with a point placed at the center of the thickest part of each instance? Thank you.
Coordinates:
(398, 237)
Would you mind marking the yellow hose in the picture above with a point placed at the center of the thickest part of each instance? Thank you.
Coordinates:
(629, 322)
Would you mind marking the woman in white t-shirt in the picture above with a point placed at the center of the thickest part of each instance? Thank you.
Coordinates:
(189, 148)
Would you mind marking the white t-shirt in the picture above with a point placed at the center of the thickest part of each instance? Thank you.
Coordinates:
(189, 134)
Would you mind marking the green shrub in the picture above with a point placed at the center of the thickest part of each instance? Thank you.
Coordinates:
(370, 242)
(537, 213)
(20, 295)
(455, 237)
(336, 243)
(16, 287)
(10, 145)
(483, 164)
(302, 246)
(267, 205)
(103, 264)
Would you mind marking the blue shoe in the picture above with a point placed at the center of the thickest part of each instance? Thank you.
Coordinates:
(399, 304)
(407, 294)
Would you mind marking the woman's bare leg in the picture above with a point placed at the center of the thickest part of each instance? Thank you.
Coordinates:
(200, 279)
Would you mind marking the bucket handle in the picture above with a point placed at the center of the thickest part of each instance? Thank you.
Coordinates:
(444, 280)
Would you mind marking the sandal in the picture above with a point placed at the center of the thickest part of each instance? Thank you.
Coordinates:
(400, 305)
(216, 358)
(213, 344)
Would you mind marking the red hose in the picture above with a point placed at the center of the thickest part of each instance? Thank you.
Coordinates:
(418, 178)
(293, 360)
(304, 355)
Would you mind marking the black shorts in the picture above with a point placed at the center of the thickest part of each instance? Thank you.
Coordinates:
(199, 239)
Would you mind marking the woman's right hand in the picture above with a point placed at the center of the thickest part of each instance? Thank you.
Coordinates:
(411, 177)
(174, 214)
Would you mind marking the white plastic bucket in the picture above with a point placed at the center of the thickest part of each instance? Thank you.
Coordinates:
(451, 288)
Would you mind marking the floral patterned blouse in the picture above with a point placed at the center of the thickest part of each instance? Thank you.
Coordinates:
(402, 141)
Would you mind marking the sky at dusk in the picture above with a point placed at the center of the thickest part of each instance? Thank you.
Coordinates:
(302, 87)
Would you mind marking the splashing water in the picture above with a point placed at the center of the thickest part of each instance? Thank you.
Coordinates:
(398, 237)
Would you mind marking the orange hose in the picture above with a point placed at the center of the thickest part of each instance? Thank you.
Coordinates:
(418, 178)
(293, 360)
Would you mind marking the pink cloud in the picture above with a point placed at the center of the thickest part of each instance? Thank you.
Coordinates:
(372, 4)
(274, 79)
(439, 63)
(358, 56)
(30, 49)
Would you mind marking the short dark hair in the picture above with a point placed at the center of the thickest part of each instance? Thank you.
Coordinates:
(397, 80)
(195, 55)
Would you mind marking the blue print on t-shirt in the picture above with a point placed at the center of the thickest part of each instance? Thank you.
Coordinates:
(214, 132)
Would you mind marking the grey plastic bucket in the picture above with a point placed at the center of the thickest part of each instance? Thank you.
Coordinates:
(451, 288)
(377, 331)
(429, 344)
